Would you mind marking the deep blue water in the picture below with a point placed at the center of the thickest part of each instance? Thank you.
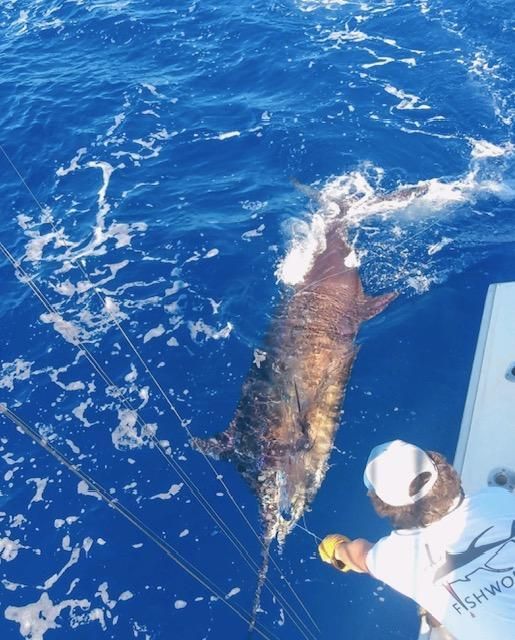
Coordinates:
(159, 141)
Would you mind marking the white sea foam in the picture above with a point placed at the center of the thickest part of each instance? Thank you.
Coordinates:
(128, 434)
(380, 61)
(420, 283)
(12, 586)
(485, 149)
(156, 332)
(79, 411)
(132, 376)
(118, 119)
(144, 394)
(60, 522)
(215, 305)
(438, 246)
(103, 206)
(14, 371)
(41, 484)
(88, 322)
(172, 491)
(69, 331)
(17, 521)
(152, 89)
(407, 100)
(253, 233)
(177, 285)
(8, 458)
(259, 357)
(347, 35)
(312, 5)
(200, 328)
(74, 163)
(9, 549)
(308, 240)
(35, 619)
(83, 489)
(228, 134)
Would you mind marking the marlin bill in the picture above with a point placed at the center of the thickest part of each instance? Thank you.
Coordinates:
(283, 430)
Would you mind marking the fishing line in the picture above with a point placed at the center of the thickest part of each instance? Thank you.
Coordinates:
(168, 458)
(182, 421)
(308, 531)
(103, 493)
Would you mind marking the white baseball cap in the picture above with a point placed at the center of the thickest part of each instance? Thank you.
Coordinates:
(392, 467)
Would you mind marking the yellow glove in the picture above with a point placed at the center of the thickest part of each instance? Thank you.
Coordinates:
(327, 548)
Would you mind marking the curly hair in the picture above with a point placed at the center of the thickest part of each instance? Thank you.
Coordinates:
(431, 507)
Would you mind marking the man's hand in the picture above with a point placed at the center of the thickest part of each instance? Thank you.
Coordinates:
(344, 554)
(327, 548)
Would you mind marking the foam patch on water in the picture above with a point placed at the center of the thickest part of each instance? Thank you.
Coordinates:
(9, 549)
(128, 434)
(151, 334)
(41, 484)
(313, 5)
(201, 331)
(407, 100)
(36, 618)
(15, 371)
(485, 149)
(172, 491)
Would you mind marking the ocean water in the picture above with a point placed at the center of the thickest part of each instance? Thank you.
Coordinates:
(148, 151)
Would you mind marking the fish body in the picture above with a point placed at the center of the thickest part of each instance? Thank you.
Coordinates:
(283, 430)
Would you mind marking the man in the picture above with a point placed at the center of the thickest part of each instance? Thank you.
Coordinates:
(453, 554)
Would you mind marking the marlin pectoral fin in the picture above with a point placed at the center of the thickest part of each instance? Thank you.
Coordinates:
(372, 306)
(217, 447)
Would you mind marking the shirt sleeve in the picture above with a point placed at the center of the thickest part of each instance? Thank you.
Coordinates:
(376, 560)
(389, 561)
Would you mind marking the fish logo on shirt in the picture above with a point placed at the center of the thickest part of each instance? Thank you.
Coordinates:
(454, 561)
